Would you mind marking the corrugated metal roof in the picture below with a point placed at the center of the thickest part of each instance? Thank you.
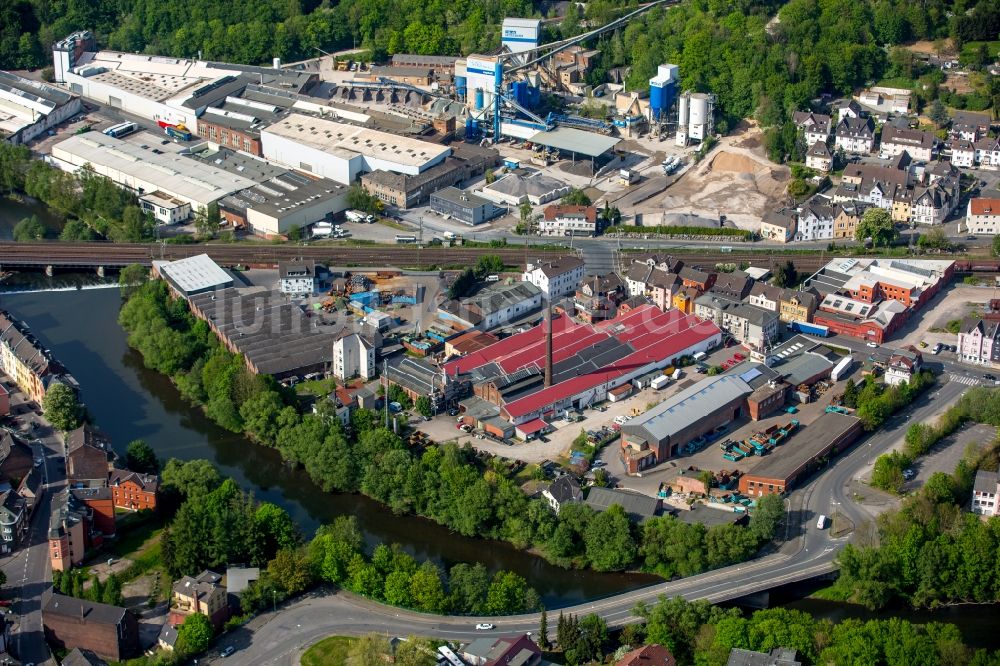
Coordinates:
(693, 403)
(576, 141)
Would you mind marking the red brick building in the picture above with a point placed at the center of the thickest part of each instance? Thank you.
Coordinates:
(133, 491)
(102, 510)
(648, 655)
(4, 401)
(224, 132)
(110, 632)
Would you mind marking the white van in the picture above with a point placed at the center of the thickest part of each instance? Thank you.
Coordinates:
(493, 278)
(699, 356)
(821, 523)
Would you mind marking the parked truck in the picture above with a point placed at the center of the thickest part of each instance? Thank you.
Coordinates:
(359, 216)
(809, 329)
(659, 382)
(178, 132)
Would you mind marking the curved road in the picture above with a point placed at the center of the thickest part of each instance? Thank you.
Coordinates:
(278, 638)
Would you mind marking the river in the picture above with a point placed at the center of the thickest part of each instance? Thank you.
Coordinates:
(130, 402)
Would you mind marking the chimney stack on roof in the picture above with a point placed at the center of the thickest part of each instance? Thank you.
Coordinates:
(548, 344)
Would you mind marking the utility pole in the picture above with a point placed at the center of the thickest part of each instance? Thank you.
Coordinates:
(385, 398)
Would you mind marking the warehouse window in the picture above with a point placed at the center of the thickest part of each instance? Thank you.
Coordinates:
(305, 167)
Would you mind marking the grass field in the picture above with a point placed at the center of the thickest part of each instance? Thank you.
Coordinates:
(330, 651)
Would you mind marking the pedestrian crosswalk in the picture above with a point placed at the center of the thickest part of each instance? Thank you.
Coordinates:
(963, 379)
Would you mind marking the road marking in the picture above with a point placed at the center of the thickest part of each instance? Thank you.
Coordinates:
(962, 379)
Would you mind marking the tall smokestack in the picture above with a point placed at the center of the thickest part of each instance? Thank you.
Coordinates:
(548, 344)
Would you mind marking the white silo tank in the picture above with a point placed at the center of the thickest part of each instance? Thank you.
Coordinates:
(682, 110)
(699, 110)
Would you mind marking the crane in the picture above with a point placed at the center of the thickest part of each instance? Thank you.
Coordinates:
(506, 69)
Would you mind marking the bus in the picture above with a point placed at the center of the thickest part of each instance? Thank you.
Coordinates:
(121, 129)
(400, 238)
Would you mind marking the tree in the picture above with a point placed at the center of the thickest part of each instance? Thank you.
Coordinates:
(490, 176)
(508, 594)
(141, 458)
(888, 471)
(75, 231)
(290, 571)
(575, 197)
(488, 264)
(543, 631)
(609, 541)
(369, 650)
(766, 517)
(112, 593)
(358, 198)
(996, 246)
(938, 113)
(935, 239)
(423, 406)
(850, 394)
(876, 223)
(469, 585)
(194, 635)
(131, 278)
(207, 220)
(786, 275)
(62, 408)
(294, 233)
(29, 229)
(192, 478)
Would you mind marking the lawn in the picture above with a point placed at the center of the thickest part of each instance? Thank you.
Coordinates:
(392, 224)
(969, 48)
(330, 651)
(318, 387)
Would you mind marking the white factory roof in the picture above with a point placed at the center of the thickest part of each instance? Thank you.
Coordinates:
(195, 274)
(23, 101)
(152, 77)
(173, 173)
(576, 141)
(348, 140)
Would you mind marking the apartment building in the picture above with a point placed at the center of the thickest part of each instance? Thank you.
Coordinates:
(845, 224)
(920, 145)
(815, 222)
(982, 216)
(555, 277)
(353, 356)
(203, 594)
(979, 341)
(985, 494)
(855, 135)
(133, 491)
(568, 221)
(819, 157)
(27, 362)
(814, 126)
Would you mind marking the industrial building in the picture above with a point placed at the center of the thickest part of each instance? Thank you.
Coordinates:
(545, 370)
(275, 337)
(515, 189)
(518, 35)
(144, 170)
(872, 298)
(464, 206)
(779, 471)
(405, 191)
(193, 275)
(289, 200)
(29, 108)
(492, 307)
(695, 117)
(663, 91)
(342, 152)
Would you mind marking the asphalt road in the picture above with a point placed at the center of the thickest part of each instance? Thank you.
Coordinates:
(808, 552)
(27, 569)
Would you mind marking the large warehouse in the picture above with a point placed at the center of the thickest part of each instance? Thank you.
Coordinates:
(30, 108)
(144, 171)
(587, 360)
(779, 471)
(342, 152)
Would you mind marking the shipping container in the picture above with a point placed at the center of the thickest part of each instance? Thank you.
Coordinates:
(809, 329)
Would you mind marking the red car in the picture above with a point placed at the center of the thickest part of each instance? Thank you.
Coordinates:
(739, 357)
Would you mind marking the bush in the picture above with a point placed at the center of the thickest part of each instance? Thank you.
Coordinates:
(686, 231)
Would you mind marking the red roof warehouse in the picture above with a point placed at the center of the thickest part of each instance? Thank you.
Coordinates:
(588, 359)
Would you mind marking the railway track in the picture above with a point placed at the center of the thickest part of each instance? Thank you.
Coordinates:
(14, 255)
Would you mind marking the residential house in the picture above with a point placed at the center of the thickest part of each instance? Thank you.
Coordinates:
(297, 278)
(986, 494)
(753, 327)
(16, 459)
(88, 456)
(855, 135)
(819, 157)
(796, 306)
(515, 650)
(970, 125)
(901, 208)
(598, 296)
(568, 221)
(700, 280)
(735, 285)
(765, 296)
(988, 153)
(101, 511)
(353, 356)
(776, 657)
(648, 655)
(963, 153)
(815, 222)
(638, 507)
(982, 216)
(555, 277)
(931, 205)
(562, 491)
(684, 299)
(902, 365)
(979, 341)
(712, 307)
(110, 632)
(778, 225)
(68, 531)
(849, 109)
(13, 520)
(920, 145)
(636, 278)
(133, 491)
(203, 594)
(662, 287)
(4, 400)
(845, 224)
(26, 361)
(940, 170)
(814, 126)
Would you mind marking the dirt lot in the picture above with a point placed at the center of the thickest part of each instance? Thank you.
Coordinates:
(954, 302)
(735, 180)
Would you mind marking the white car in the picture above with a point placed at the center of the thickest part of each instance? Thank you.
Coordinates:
(821, 523)
(485, 626)
(872, 345)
